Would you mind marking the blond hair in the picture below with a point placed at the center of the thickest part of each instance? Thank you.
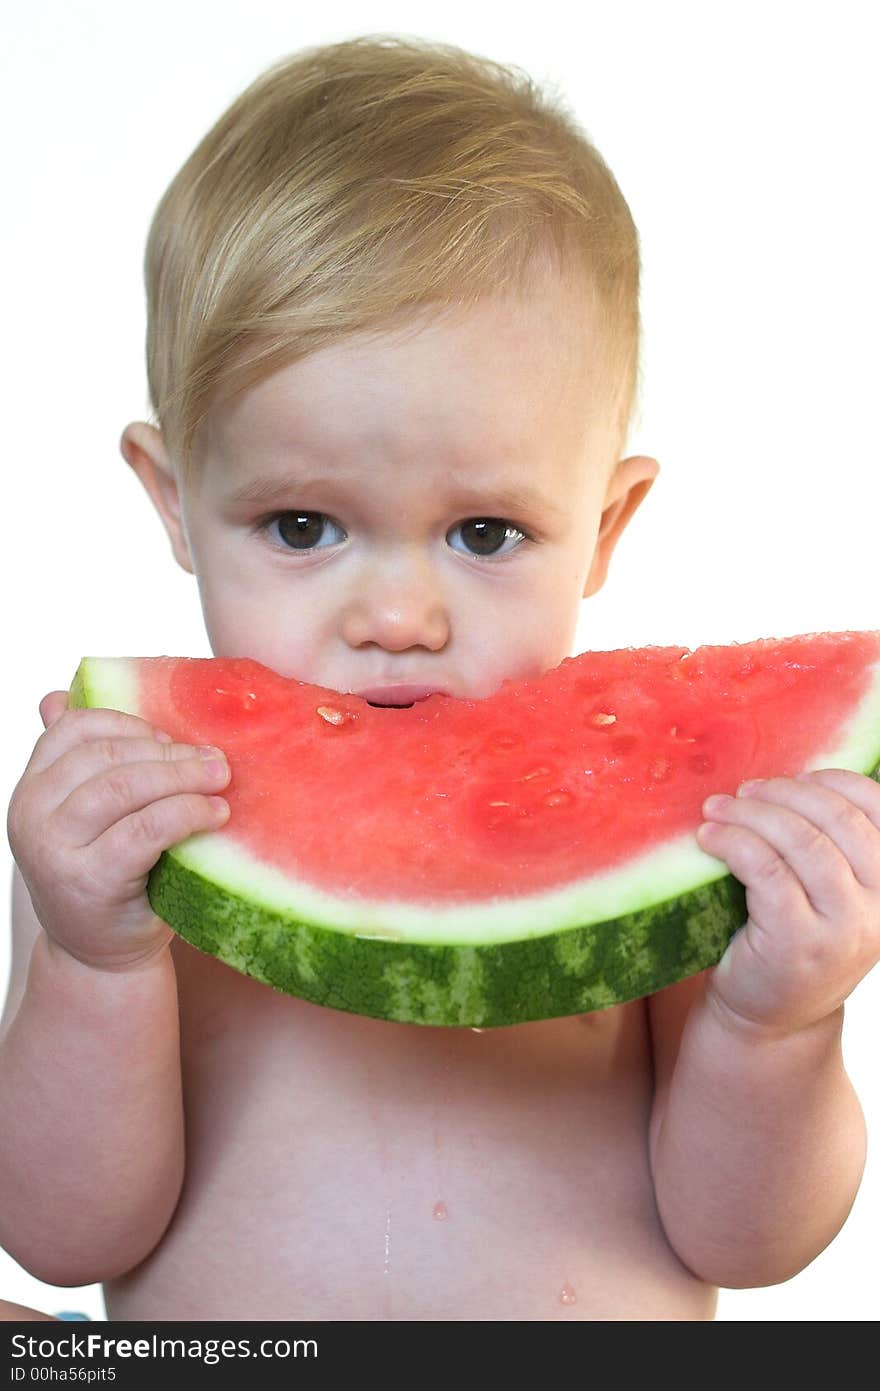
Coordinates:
(352, 184)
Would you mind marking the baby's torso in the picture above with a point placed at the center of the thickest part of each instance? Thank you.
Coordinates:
(347, 1168)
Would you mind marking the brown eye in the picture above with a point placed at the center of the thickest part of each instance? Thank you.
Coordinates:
(487, 535)
(301, 531)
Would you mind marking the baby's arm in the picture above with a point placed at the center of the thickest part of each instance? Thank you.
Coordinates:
(757, 1146)
(91, 1157)
(757, 1136)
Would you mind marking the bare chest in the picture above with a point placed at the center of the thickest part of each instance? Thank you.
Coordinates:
(341, 1167)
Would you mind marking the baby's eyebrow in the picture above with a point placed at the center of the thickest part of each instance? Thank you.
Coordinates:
(272, 489)
(490, 498)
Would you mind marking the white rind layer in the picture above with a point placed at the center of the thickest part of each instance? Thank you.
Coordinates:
(652, 878)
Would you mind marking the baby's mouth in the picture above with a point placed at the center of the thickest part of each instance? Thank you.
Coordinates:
(399, 696)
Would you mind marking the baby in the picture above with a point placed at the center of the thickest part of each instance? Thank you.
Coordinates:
(393, 336)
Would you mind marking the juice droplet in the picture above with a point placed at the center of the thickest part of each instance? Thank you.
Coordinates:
(440, 1212)
(244, 700)
(684, 669)
(659, 769)
(503, 743)
(560, 798)
(386, 1268)
(567, 1295)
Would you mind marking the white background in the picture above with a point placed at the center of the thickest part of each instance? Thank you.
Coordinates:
(743, 136)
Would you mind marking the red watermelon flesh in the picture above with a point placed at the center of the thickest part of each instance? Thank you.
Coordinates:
(608, 755)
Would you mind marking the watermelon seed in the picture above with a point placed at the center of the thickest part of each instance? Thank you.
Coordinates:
(334, 716)
(603, 717)
(674, 734)
(499, 804)
(535, 773)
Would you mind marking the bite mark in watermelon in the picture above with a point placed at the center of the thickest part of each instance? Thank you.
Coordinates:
(487, 862)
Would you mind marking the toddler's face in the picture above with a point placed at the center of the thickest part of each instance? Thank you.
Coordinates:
(419, 508)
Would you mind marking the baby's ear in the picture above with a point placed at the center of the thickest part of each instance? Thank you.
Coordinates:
(143, 448)
(630, 483)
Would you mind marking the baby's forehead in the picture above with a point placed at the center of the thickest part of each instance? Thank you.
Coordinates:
(485, 373)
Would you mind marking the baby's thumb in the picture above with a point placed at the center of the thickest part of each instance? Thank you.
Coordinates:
(52, 707)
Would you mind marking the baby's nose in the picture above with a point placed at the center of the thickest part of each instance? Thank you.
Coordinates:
(395, 607)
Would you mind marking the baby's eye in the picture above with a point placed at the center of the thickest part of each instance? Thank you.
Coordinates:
(487, 536)
(301, 531)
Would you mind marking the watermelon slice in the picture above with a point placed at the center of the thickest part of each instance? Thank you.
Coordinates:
(487, 862)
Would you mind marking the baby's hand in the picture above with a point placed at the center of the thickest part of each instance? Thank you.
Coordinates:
(103, 795)
(807, 849)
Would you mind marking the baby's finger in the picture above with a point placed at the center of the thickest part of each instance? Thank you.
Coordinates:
(52, 707)
(809, 856)
(773, 890)
(860, 789)
(85, 762)
(78, 726)
(132, 846)
(843, 817)
(119, 793)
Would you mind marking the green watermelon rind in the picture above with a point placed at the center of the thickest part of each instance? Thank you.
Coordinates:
(574, 971)
(488, 965)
